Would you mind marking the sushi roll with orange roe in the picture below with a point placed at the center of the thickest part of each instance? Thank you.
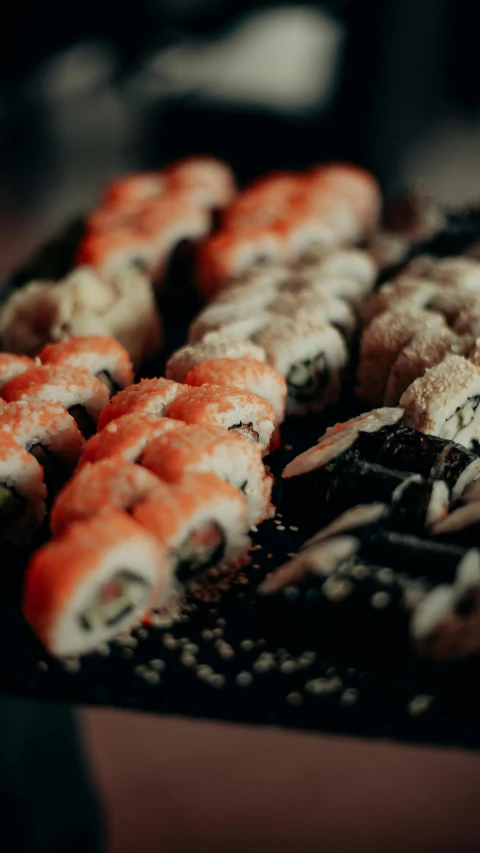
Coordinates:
(94, 581)
(149, 396)
(140, 186)
(265, 199)
(205, 181)
(213, 449)
(49, 433)
(354, 184)
(213, 345)
(101, 486)
(125, 438)
(203, 523)
(246, 374)
(77, 390)
(22, 492)
(112, 250)
(103, 357)
(13, 365)
(230, 252)
(234, 410)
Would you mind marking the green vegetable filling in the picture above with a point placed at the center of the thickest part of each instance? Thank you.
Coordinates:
(306, 379)
(114, 600)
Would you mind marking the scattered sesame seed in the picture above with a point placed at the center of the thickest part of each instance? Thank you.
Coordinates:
(204, 671)
(263, 665)
(279, 514)
(289, 447)
(151, 677)
(71, 664)
(42, 665)
(140, 670)
(207, 634)
(331, 671)
(360, 572)
(142, 633)
(324, 686)
(419, 704)
(349, 696)
(225, 651)
(269, 556)
(187, 659)
(169, 641)
(221, 621)
(192, 648)
(244, 679)
(127, 653)
(281, 527)
(261, 643)
(217, 632)
(386, 575)
(217, 680)
(158, 664)
(380, 600)
(127, 640)
(293, 527)
(294, 699)
(336, 589)
(288, 666)
(247, 645)
(256, 566)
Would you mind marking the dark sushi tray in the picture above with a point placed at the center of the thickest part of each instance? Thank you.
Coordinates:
(230, 654)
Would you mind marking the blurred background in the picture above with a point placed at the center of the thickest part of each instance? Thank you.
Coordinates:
(89, 91)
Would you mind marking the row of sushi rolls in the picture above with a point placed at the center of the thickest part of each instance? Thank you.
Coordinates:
(144, 485)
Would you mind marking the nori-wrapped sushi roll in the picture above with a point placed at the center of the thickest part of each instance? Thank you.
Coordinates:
(416, 555)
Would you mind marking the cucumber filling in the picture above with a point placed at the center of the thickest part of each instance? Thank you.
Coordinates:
(246, 431)
(109, 383)
(114, 600)
(203, 548)
(83, 420)
(306, 379)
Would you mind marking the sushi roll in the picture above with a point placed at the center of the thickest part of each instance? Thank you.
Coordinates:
(404, 291)
(22, 492)
(467, 321)
(95, 581)
(134, 188)
(112, 251)
(103, 357)
(310, 356)
(446, 624)
(354, 184)
(77, 390)
(100, 487)
(214, 345)
(206, 181)
(444, 402)
(381, 343)
(13, 365)
(230, 252)
(232, 323)
(458, 271)
(213, 449)
(126, 437)
(413, 553)
(49, 433)
(304, 232)
(247, 375)
(424, 350)
(323, 558)
(217, 405)
(262, 201)
(359, 521)
(149, 396)
(201, 524)
(255, 284)
(458, 468)
(334, 287)
(355, 264)
(306, 304)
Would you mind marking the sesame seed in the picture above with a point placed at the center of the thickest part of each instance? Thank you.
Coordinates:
(256, 548)
(386, 575)
(217, 680)
(207, 634)
(247, 645)
(256, 566)
(71, 665)
(221, 621)
(380, 600)
(261, 643)
(244, 679)
(336, 589)
(293, 527)
(217, 632)
(204, 671)
(289, 447)
(263, 665)
(151, 677)
(360, 572)
(288, 666)
(419, 704)
(269, 556)
(225, 651)
(127, 653)
(349, 696)
(42, 665)
(323, 686)
(187, 659)
(192, 648)
(169, 641)
(281, 527)
(142, 633)
(294, 699)
(157, 664)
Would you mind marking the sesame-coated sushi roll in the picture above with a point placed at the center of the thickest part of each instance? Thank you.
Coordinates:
(445, 401)
(355, 264)
(77, 390)
(126, 437)
(381, 343)
(231, 252)
(103, 357)
(348, 289)
(213, 449)
(13, 365)
(133, 188)
(310, 356)
(202, 523)
(49, 433)
(102, 486)
(246, 374)
(214, 345)
(460, 271)
(263, 278)
(425, 349)
(218, 405)
(405, 291)
(94, 581)
(206, 181)
(235, 323)
(305, 232)
(22, 491)
(319, 307)
(149, 396)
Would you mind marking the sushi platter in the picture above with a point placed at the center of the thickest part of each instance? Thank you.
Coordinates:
(355, 607)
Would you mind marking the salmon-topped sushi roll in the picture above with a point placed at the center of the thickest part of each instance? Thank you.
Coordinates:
(96, 580)
(149, 396)
(213, 345)
(231, 252)
(82, 394)
(264, 200)
(303, 232)
(49, 433)
(353, 183)
(213, 449)
(125, 437)
(103, 357)
(12, 365)
(22, 492)
(102, 486)
(248, 375)
(201, 524)
(234, 410)
(111, 251)
(133, 188)
(206, 181)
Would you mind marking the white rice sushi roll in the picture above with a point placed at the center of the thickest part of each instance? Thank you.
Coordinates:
(404, 291)
(96, 580)
(103, 357)
(318, 307)
(381, 343)
(214, 345)
(12, 365)
(22, 492)
(336, 287)
(310, 356)
(234, 320)
(355, 264)
(445, 401)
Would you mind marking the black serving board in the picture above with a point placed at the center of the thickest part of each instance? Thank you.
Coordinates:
(224, 654)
